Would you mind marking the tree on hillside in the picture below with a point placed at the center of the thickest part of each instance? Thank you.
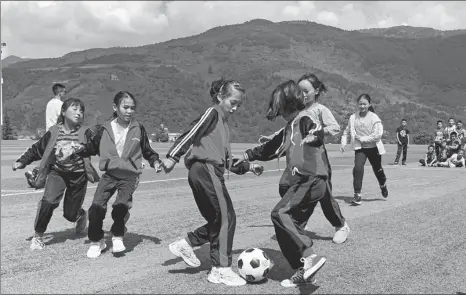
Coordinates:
(8, 132)
(423, 138)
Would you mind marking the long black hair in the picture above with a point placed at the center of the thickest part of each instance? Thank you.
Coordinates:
(69, 103)
(368, 98)
(287, 97)
(315, 82)
(119, 97)
(224, 88)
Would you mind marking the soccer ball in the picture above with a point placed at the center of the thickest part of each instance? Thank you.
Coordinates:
(254, 265)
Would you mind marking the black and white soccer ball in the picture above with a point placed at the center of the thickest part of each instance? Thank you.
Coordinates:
(254, 265)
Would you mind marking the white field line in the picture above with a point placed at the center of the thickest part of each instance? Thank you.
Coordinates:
(184, 178)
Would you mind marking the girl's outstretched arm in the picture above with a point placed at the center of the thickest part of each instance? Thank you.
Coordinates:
(266, 151)
(36, 151)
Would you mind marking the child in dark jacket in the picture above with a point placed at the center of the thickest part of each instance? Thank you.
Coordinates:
(60, 174)
(121, 142)
(209, 157)
(301, 141)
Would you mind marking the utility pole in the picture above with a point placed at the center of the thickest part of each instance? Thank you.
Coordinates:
(1, 87)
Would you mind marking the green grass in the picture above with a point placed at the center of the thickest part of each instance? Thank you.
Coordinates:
(411, 242)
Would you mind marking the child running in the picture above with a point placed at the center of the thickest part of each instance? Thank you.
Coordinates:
(366, 130)
(302, 142)
(208, 142)
(59, 173)
(121, 142)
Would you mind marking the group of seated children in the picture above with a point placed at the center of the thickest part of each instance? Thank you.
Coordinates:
(448, 147)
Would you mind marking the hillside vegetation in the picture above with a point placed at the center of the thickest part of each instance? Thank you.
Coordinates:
(421, 79)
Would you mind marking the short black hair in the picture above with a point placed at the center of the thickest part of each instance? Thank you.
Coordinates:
(431, 146)
(404, 120)
(57, 87)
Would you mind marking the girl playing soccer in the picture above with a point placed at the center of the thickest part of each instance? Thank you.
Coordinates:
(366, 130)
(301, 141)
(121, 142)
(59, 173)
(208, 142)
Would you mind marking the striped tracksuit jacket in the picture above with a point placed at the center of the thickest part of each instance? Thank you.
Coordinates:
(206, 146)
(307, 166)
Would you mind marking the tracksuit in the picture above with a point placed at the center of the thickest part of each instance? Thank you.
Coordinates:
(68, 178)
(121, 174)
(307, 176)
(206, 146)
(330, 207)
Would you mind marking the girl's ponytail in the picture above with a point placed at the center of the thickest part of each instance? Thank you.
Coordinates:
(113, 116)
(371, 109)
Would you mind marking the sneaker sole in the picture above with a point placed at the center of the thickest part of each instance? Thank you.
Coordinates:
(178, 254)
(312, 282)
(313, 270)
(357, 203)
(226, 283)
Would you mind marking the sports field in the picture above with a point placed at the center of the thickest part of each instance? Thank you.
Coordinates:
(412, 242)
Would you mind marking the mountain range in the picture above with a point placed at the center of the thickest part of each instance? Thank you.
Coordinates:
(412, 73)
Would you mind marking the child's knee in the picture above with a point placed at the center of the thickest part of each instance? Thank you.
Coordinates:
(358, 169)
(120, 211)
(97, 211)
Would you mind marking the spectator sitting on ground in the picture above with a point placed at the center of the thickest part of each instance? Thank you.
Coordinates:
(453, 145)
(430, 158)
(456, 160)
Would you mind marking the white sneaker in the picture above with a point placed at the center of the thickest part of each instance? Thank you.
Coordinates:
(182, 249)
(96, 249)
(37, 244)
(312, 264)
(118, 245)
(225, 275)
(341, 234)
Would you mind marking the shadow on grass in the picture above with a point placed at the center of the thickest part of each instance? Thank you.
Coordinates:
(280, 271)
(61, 236)
(348, 199)
(203, 253)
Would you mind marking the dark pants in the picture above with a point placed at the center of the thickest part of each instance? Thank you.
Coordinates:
(401, 147)
(438, 148)
(291, 214)
(330, 206)
(57, 182)
(107, 186)
(214, 203)
(375, 159)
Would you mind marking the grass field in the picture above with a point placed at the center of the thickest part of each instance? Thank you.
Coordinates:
(412, 242)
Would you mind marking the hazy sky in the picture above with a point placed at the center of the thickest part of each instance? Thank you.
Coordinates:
(53, 28)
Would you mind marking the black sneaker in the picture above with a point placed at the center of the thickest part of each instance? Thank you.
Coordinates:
(384, 190)
(395, 163)
(404, 164)
(357, 200)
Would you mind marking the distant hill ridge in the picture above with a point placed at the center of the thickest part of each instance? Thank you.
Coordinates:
(408, 72)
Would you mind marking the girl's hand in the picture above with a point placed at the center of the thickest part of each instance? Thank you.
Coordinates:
(265, 138)
(17, 165)
(168, 165)
(158, 166)
(342, 148)
(237, 159)
(256, 169)
(309, 139)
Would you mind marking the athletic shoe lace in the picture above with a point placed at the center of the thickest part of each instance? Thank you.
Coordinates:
(298, 277)
(39, 242)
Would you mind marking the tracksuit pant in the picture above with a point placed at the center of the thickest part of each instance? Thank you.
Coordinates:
(214, 203)
(292, 212)
(401, 147)
(375, 159)
(75, 184)
(330, 206)
(107, 186)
